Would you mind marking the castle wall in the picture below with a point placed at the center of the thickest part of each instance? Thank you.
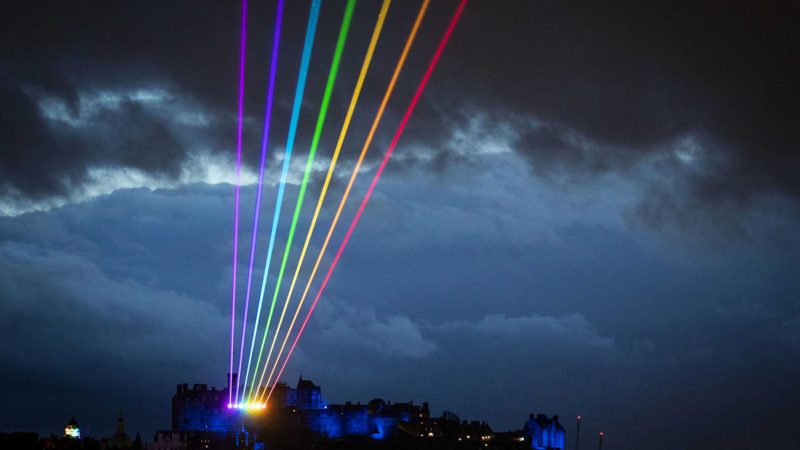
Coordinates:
(545, 433)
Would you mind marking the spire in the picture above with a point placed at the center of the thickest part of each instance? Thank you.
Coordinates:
(120, 423)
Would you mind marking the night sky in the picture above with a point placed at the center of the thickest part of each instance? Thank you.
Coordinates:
(594, 210)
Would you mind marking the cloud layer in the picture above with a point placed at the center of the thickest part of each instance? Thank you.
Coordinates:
(587, 90)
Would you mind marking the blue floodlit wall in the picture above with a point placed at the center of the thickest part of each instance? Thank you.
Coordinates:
(545, 433)
(351, 420)
(338, 424)
(383, 427)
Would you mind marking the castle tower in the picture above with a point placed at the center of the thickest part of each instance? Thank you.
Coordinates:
(72, 430)
(120, 439)
(120, 424)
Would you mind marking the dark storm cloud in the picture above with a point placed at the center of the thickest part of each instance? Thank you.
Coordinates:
(632, 76)
(594, 89)
(75, 55)
(77, 52)
(31, 149)
(628, 77)
(49, 145)
(145, 141)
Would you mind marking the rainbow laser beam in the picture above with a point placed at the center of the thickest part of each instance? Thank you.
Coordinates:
(375, 178)
(242, 50)
(249, 407)
(273, 69)
(323, 112)
(308, 45)
(340, 142)
(376, 121)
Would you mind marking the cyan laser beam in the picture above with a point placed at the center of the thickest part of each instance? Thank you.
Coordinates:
(308, 46)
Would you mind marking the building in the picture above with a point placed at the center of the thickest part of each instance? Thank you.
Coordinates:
(545, 433)
(202, 409)
(300, 417)
(72, 430)
(168, 440)
(306, 395)
(120, 439)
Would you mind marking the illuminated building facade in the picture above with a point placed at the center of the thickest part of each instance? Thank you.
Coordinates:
(307, 395)
(545, 433)
(199, 408)
(300, 417)
(72, 430)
